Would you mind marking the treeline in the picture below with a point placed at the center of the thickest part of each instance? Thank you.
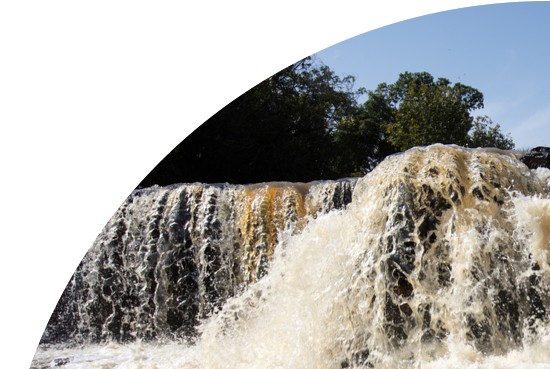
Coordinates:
(305, 123)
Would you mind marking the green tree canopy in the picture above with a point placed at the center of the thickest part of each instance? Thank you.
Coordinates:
(427, 111)
(485, 133)
(361, 139)
(304, 124)
(416, 110)
(281, 129)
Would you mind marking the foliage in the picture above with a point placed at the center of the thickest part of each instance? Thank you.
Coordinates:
(485, 133)
(282, 129)
(304, 124)
(425, 111)
(416, 110)
(361, 140)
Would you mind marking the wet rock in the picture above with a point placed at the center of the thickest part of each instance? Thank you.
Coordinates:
(537, 158)
(61, 361)
(171, 256)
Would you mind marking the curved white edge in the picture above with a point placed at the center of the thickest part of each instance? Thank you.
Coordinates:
(93, 96)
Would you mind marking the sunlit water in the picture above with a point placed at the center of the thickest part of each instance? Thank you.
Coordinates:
(440, 261)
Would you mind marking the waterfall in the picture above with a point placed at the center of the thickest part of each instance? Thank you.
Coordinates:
(171, 256)
(440, 260)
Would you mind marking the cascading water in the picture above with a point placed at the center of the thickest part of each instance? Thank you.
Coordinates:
(170, 256)
(440, 261)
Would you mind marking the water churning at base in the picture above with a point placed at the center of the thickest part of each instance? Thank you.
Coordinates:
(170, 256)
(440, 260)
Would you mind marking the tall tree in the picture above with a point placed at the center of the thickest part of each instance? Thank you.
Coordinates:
(429, 111)
(361, 140)
(486, 133)
(282, 129)
(416, 110)
(304, 123)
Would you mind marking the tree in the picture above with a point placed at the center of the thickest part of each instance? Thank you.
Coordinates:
(427, 111)
(361, 139)
(281, 129)
(485, 133)
(416, 110)
(304, 124)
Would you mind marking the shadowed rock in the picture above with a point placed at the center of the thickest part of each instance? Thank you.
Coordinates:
(539, 157)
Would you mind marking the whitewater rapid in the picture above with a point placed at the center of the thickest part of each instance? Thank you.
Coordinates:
(441, 260)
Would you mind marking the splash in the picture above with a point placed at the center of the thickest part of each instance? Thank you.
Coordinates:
(169, 257)
(440, 261)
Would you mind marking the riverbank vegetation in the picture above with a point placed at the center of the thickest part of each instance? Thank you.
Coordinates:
(306, 123)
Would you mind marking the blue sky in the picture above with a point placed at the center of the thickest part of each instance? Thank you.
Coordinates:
(502, 50)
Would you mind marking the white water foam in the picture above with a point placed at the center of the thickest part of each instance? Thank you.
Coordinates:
(441, 261)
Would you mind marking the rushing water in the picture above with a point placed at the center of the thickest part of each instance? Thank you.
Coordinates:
(441, 260)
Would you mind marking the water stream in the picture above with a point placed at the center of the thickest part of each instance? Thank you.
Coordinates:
(439, 258)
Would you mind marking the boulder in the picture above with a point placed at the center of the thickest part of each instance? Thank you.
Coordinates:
(537, 157)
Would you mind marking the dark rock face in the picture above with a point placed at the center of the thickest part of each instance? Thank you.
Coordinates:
(537, 158)
(447, 227)
(171, 256)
